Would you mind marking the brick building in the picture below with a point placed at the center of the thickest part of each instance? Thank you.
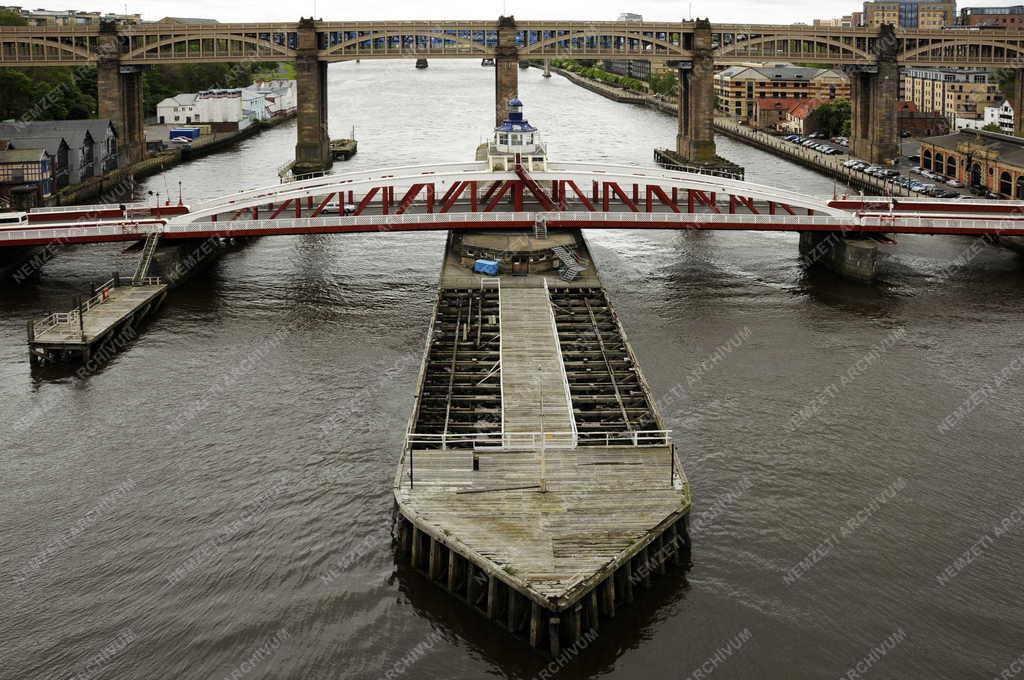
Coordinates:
(923, 14)
(953, 93)
(738, 88)
(978, 158)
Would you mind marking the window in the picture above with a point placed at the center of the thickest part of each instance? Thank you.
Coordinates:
(940, 164)
(1005, 184)
(926, 159)
(951, 166)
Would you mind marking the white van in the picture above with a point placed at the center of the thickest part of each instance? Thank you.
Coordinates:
(13, 219)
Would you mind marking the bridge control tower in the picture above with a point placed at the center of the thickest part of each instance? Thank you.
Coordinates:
(516, 142)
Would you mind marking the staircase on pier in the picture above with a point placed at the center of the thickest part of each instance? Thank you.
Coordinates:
(148, 250)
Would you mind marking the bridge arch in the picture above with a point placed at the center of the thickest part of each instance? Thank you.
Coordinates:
(947, 49)
(74, 50)
(847, 51)
(602, 33)
(141, 52)
(474, 47)
(445, 175)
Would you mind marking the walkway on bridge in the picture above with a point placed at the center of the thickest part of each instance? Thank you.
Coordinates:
(534, 387)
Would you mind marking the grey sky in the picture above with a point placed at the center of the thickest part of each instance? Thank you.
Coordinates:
(765, 11)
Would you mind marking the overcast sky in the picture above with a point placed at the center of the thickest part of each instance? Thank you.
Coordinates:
(728, 11)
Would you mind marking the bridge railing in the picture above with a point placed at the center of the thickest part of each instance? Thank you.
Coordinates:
(534, 440)
(498, 441)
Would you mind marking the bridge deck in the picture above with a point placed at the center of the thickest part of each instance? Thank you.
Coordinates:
(532, 374)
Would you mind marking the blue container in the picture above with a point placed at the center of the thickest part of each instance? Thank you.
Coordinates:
(190, 132)
(489, 267)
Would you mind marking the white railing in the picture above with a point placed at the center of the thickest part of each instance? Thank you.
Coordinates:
(495, 283)
(533, 440)
(71, 318)
(848, 222)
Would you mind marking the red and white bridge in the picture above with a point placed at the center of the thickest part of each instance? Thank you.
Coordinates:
(468, 196)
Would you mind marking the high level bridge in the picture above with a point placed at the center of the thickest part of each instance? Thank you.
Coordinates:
(872, 57)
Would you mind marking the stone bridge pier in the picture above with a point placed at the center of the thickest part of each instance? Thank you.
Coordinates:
(506, 68)
(1017, 102)
(874, 94)
(313, 146)
(695, 140)
(119, 91)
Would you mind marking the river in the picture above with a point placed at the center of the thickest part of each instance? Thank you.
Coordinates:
(214, 501)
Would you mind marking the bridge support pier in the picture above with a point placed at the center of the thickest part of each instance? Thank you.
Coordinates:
(506, 68)
(313, 146)
(119, 91)
(1017, 102)
(851, 258)
(874, 93)
(547, 67)
(695, 140)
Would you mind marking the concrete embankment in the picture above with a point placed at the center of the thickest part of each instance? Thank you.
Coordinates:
(830, 166)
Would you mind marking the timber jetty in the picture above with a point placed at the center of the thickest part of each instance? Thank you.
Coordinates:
(537, 482)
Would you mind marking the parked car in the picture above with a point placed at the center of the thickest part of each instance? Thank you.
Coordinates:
(916, 171)
(954, 183)
(947, 193)
(817, 135)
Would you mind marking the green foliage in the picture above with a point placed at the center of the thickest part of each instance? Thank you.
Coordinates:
(1006, 78)
(48, 93)
(833, 118)
(70, 94)
(992, 127)
(9, 18)
(664, 83)
(600, 75)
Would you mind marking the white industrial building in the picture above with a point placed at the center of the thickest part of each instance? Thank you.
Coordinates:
(230, 109)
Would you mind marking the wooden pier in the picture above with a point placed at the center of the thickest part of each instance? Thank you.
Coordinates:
(537, 483)
(77, 335)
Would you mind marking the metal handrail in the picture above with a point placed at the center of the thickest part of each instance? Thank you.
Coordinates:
(509, 440)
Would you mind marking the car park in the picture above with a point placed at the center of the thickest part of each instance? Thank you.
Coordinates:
(947, 193)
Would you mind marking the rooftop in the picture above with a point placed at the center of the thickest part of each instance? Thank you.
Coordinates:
(1008, 148)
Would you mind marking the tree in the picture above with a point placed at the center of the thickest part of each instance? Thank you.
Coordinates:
(9, 18)
(833, 118)
(992, 127)
(664, 83)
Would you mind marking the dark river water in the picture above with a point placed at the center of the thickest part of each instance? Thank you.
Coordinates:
(172, 514)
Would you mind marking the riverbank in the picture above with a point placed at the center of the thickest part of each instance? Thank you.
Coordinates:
(830, 166)
(117, 186)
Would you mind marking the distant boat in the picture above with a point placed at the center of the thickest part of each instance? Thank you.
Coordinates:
(487, 62)
(421, 63)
